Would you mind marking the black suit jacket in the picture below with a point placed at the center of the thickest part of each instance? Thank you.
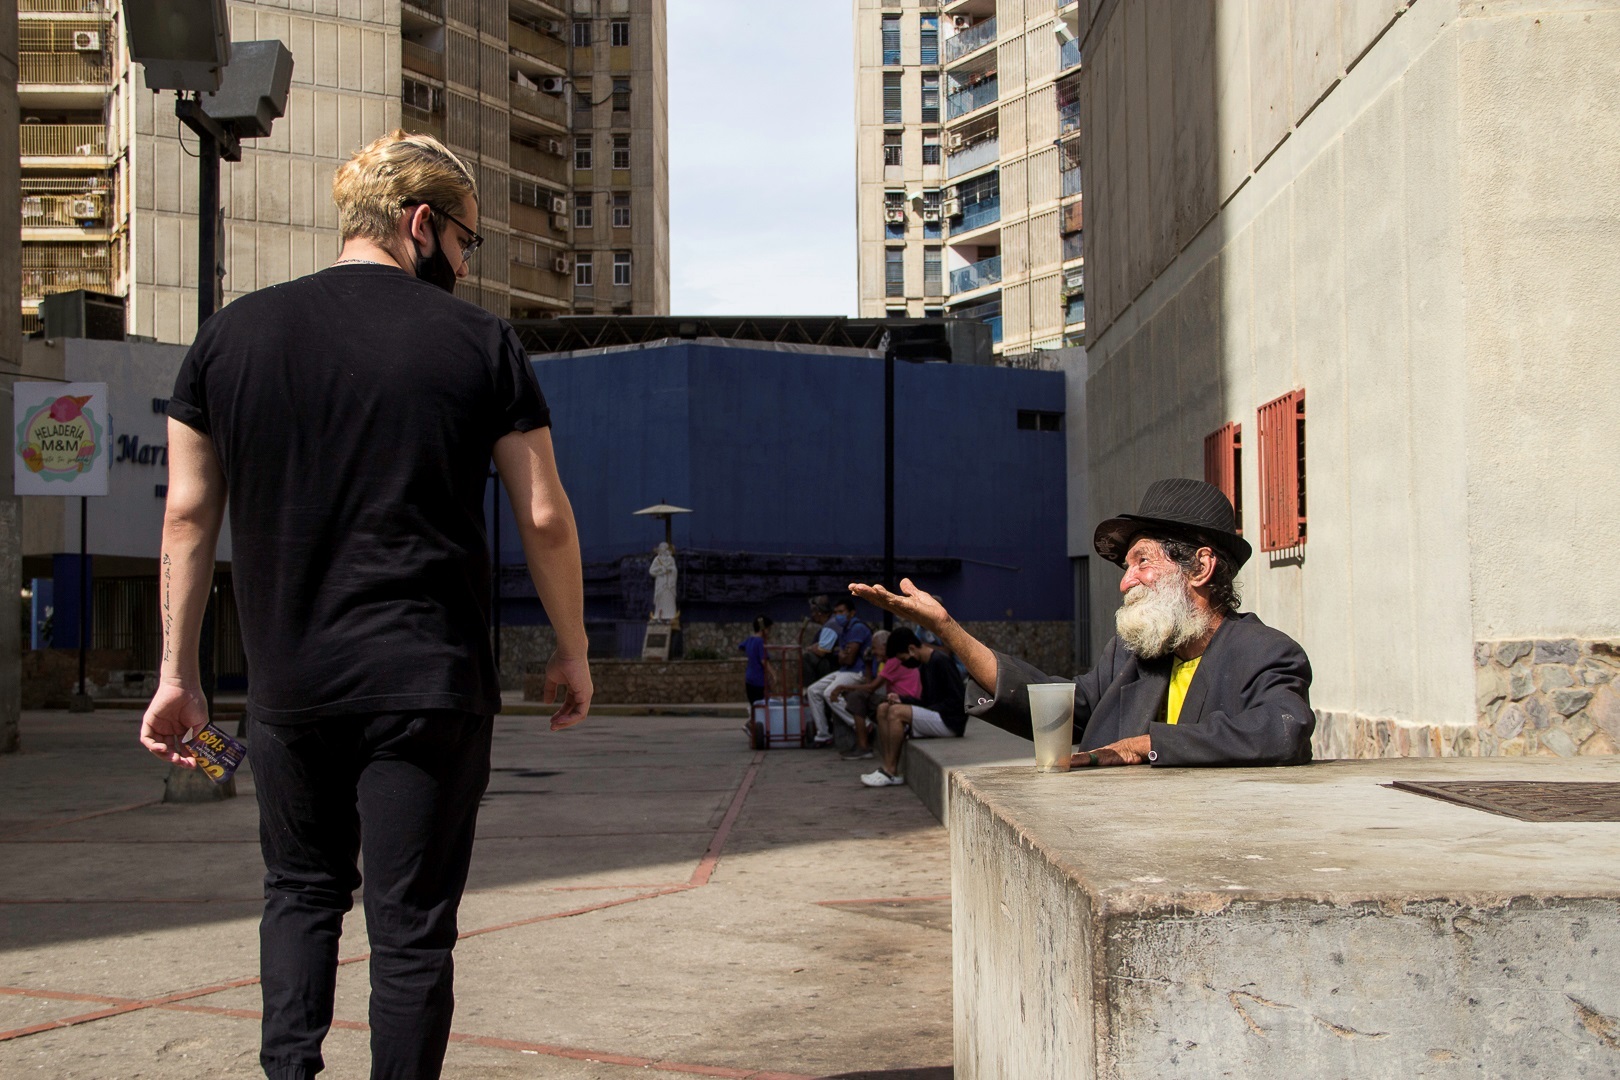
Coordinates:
(1249, 702)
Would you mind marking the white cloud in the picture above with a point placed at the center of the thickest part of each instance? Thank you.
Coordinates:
(762, 157)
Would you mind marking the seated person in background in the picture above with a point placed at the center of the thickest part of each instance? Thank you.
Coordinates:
(854, 636)
(937, 712)
(757, 673)
(1187, 679)
(855, 703)
(817, 658)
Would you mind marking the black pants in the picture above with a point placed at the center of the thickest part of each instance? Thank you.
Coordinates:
(403, 790)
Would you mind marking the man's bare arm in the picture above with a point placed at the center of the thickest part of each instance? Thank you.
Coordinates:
(926, 611)
(545, 522)
(191, 522)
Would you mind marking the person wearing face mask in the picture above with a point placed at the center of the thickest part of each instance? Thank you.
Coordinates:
(352, 416)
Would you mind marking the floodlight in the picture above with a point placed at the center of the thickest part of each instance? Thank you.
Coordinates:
(182, 44)
(254, 91)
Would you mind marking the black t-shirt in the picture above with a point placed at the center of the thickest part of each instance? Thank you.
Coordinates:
(354, 412)
(943, 690)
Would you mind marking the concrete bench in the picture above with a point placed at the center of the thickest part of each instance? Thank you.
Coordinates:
(1303, 922)
(927, 763)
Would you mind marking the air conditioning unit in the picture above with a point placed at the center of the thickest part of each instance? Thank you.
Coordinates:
(559, 205)
(559, 222)
(961, 22)
(555, 146)
(951, 208)
(953, 141)
(1075, 280)
(552, 84)
(87, 40)
(894, 216)
(553, 27)
(560, 264)
(930, 213)
(86, 209)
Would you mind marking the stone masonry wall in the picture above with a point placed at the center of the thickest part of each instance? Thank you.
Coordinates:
(1548, 698)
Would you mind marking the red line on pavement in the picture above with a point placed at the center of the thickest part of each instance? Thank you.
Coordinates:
(62, 995)
(56, 824)
(711, 858)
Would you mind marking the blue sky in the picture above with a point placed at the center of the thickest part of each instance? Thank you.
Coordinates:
(761, 157)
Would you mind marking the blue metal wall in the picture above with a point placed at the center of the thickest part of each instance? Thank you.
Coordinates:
(783, 453)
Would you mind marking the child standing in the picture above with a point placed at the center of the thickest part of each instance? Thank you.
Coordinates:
(756, 676)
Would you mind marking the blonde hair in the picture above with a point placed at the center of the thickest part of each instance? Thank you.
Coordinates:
(398, 169)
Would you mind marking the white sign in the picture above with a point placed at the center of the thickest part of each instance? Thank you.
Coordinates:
(62, 437)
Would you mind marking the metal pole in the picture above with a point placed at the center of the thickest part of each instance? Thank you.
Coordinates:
(207, 226)
(888, 482)
(84, 589)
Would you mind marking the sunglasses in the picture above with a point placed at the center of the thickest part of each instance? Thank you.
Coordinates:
(474, 241)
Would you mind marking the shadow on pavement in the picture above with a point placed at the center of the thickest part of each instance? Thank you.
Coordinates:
(941, 1072)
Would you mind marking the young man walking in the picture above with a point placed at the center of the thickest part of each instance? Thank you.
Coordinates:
(351, 416)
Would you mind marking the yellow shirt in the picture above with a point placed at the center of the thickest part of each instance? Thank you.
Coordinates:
(1181, 677)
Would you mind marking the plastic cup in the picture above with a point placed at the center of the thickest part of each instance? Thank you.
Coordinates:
(1051, 711)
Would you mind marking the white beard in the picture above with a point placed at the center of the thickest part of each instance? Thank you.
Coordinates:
(1157, 621)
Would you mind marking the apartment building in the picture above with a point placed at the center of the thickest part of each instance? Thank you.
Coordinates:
(534, 94)
(968, 161)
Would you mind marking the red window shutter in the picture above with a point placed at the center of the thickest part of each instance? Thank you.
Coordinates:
(1282, 472)
(1223, 465)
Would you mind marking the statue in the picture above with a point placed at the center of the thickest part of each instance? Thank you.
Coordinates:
(663, 571)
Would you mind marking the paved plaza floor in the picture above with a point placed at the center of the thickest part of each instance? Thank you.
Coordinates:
(648, 898)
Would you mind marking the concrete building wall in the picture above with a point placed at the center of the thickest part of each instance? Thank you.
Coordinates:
(1401, 213)
(10, 338)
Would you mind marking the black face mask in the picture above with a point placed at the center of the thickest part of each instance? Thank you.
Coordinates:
(435, 269)
(911, 661)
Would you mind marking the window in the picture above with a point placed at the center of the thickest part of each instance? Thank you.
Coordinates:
(621, 151)
(619, 32)
(894, 272)
(526, 252)
(582, 151)
(930, 97)
(1282, 472)
(891, 98)
(929, 40)
(583, 274)
(419, 99)
(621, 268)
(891, 40)
(933, 278)
(892, 150)
(621, 95)
(1039, 420)
(582, 33)
(1223, 465)
(894, 214)
(621, 210)
(582, 102)
(583, 216)
(931, 148)
(529, 193)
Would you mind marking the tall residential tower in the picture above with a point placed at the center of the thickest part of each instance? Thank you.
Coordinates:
(969, 182)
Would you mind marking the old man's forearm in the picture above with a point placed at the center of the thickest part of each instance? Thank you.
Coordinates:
(974, 654)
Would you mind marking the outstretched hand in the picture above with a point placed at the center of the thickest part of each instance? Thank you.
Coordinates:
(175, 711)
(572, 676)
(911, 604)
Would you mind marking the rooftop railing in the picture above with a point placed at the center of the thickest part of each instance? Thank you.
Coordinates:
(974, 37)
(974, 97)
(982, 153)
(62, 140)
(976, 275)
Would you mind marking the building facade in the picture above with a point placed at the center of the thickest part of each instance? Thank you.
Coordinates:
(109, 181)
(1355, 263)
(968, 187)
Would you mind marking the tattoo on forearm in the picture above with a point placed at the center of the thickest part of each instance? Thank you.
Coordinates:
(168, 614)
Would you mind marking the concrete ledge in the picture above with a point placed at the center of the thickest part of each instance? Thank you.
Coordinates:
(1135, 923)
(927, 764)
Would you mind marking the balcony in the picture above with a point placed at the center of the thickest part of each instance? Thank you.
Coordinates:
(1068, 55)
(63, 7)
(978, 214)
(537, 161)
(970, 40)
(982, 153)
(1074, 217)
(1074, 246)
(976, 275)
(78, 212)
(87, 70)
(54, 268)
(63, 145)
(1071, 181)
(1069, 117)
(433, 9)
(974, 97)
(421, 59)
(547, 107)
(1074, 311)
(542, 281)
(538, 222)
(418, 122)
(541, 46)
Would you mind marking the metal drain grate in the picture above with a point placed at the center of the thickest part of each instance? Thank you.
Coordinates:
(1527, 800)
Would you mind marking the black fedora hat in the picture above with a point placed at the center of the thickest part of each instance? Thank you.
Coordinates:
(1190, 508)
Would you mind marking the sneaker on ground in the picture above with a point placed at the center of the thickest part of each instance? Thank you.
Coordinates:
(821, 741)
(879, 778)
(856, 755)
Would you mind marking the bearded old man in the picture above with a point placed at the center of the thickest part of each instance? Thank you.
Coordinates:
(1188, 679)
